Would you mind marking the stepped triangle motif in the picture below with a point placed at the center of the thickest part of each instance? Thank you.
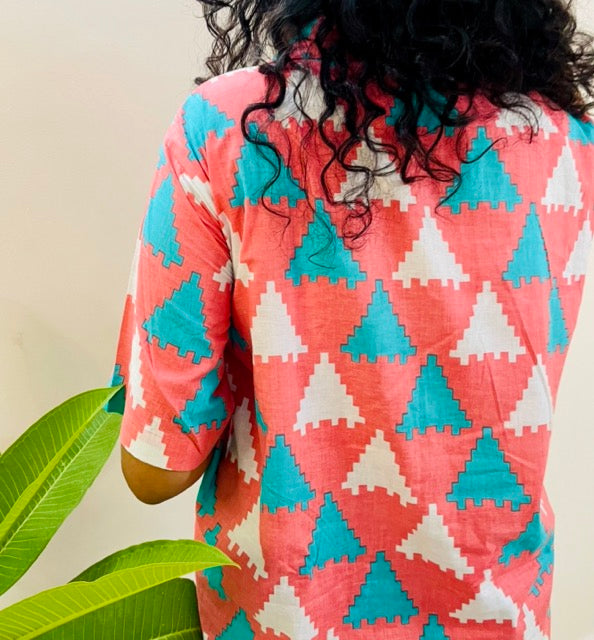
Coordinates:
(158, 230)
(332, 539)
(380, 334)
(245, 538)
(545, 564)
(322, 254)
(208, 487)
(205, 409)
(432, 541)
(432, 404)
(484, 180)
(326, 399)
(489, 332)
(530, 540)
(564, 189)
(535, 408)
(490, 603)
(238, 629)
(273, 333)
(487, 476)
(240, 271)
(377, 469)
(214, 575)
(381, 597)
(577, 265)
(529, 115)
(433, 630)
(202, 119)
(387, 186)
(148, 445)
(532, 631)
(581, 131)
(530, 259)
(241, 445)
(558, 334)
(430, 259)
(428, 118)
(283, 484)
(283, 614)
(260, 173)
(170, 325)
(135, 374)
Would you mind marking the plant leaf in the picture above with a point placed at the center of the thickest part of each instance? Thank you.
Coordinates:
(50, 609)
(45, 474)
(165, 612)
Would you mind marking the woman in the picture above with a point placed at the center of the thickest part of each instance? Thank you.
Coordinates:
(353, 293)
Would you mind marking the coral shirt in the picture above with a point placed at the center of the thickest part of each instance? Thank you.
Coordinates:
(380, 413)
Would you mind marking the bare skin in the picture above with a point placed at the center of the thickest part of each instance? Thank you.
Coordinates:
(152, 485)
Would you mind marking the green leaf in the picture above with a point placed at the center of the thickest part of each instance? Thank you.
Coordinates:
(165, 612)
(45, 474)
(50, 609)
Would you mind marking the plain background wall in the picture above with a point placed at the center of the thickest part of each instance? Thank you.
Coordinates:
(86, 93)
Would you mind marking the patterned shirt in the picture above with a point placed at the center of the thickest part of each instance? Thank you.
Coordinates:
(379, 411)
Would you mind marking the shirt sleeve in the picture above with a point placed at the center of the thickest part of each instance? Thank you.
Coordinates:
(175, 326)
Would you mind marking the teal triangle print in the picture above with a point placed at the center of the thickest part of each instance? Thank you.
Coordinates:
(322, 254)
(158, 230)
(214, 575)
(545, 561)
(283, 484)
(381, 597)
(530, 258)
(558, 334)
(432, 405)
(118, 402)
(433, 630)
(238, 629)
(487, 476)
(530, 540)
(428, 118)
(332, 539)
(259, 419)
(581, 131)
(201, 119)
(380, 334)
(260, 173)
(208, 487)
(484, 180)
(205, 409)
(180, 322)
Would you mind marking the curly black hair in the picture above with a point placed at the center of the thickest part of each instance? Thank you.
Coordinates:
(426, 54)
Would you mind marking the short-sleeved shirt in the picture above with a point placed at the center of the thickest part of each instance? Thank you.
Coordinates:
(379, 411)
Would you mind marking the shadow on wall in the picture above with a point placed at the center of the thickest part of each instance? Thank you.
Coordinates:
(39, 368)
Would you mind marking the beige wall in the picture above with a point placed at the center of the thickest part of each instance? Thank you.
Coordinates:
(86, 92)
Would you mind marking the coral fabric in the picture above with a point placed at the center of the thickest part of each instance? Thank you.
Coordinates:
(379, 413)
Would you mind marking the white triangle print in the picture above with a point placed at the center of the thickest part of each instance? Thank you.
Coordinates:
(489, 332)
(490, 603)
(577, 265)
(377, 468)
(241, 271)
(200, 191)
(133, 279)
(241, 447)
(273, 333)
(547, 126)
(148, 445)
(430, 259)
(134, 375)
(431, 540)
(564, 190)
(310, 99)
(532, 630)
(283, 613)
(387, 186)
(535, 407)
(331, 635)
(326, 399)
(225, 276)
(531, 115)
(246, 538)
